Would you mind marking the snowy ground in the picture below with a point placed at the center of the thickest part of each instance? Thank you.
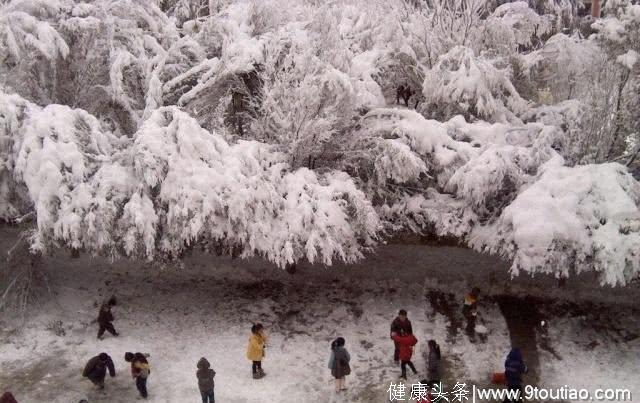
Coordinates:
(205, 308)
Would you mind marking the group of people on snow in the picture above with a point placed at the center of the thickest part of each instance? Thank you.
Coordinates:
(401, 333)
(96, 370)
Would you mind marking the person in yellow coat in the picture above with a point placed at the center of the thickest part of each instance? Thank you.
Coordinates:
(255, 350)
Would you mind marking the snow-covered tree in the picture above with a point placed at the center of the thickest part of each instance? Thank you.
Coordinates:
(147, 196)
(619, 34)
(269, 128)
(572, 220)
(514, 25)
(461, 82)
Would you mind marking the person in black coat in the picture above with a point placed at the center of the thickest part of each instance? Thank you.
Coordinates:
(96, 369)
(205, 380)
(400, 324)
(105, 317)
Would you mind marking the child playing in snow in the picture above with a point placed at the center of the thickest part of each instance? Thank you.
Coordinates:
(96, 369)
(405, 341)
(105, 317)
(339, 363)
(255, 350)
(205, 380)
(140, 371)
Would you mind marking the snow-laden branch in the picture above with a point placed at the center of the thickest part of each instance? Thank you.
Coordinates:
(572, 220)
(175, 185)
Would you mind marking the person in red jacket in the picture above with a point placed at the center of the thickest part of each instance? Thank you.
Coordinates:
(405, 342)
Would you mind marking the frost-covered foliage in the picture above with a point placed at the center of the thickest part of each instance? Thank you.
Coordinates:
(272, 128)
(175, 185)
(13, 197)
(514, 25)
(461, 82)
(573, 219)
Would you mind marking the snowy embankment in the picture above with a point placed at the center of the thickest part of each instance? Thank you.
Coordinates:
(205, 307)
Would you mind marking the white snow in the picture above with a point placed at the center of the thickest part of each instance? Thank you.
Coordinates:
(628, 59)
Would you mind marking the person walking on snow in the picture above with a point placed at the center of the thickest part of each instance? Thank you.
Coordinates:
(433, 362)
(514, 369)
(205, 380)
(140, 371)
(470, 309)
(401, 322)
(105, 317)
(406, 342)
(339, 363)
(255, 350)
(96, 369)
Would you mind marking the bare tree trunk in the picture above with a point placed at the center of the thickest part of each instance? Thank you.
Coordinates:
(595, 8)
(616, 133)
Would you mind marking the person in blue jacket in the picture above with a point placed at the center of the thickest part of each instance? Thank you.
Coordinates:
(514, 369)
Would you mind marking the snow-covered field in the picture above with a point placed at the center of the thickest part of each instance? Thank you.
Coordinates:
(206, 306)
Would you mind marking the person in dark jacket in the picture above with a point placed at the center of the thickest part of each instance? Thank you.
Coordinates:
(400, 323)
(205, 380)
(105, 317)
(96, 369)
(433, 362)
(514, 368)
(7, 397)
(406, 342)
(339, 363)
(140, 370)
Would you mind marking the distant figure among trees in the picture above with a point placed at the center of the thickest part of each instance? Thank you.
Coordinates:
(404, 91)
